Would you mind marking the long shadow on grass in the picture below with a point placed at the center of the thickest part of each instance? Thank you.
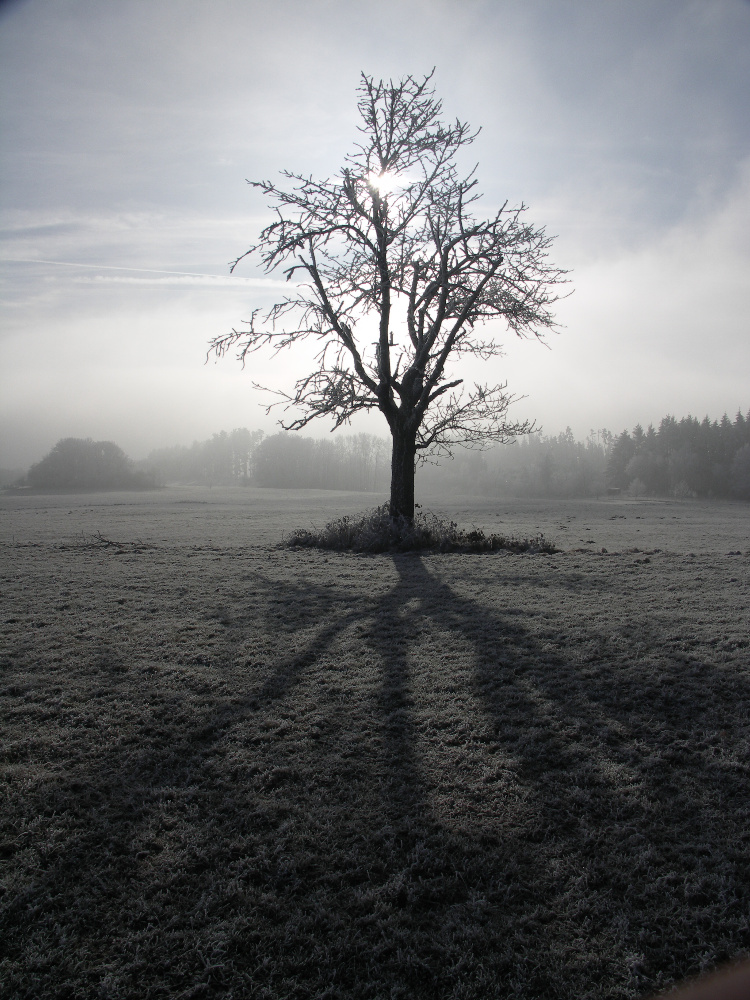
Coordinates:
(554, 832)
(635, 805)
(418, 795)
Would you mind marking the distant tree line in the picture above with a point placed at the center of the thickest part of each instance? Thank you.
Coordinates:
(354, 462)
(533, 466)
(284, 461)
(225, 459)
(684, 458)
(83, 464)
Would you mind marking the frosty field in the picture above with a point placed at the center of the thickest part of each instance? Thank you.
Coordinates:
(233, 769)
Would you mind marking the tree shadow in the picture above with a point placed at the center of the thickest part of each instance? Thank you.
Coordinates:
(592, 774)
(414, 792)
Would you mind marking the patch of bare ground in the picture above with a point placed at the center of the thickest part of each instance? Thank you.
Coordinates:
(230, 769)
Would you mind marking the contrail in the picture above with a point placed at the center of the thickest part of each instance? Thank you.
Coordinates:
(107, 267)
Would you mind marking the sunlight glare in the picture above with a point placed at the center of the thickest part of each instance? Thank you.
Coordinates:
(385, 182)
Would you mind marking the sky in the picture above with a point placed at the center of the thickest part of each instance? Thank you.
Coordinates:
(128, 131)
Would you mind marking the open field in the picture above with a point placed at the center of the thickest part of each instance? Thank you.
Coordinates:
(230, 769)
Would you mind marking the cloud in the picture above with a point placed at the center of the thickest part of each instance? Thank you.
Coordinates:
(194, 280)
(172, 277)
(657, 328)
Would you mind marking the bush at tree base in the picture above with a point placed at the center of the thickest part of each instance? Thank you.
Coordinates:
(377, 531)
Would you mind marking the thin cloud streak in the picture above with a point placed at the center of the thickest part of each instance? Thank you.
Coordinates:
(213, 278)
(196, 280)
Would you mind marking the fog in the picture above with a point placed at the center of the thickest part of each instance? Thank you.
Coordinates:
(128, 132)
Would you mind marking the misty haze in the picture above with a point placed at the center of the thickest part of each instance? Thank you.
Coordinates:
(376, 606)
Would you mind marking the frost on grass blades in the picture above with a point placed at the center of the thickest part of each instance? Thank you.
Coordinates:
(378, 531)
(233, 769)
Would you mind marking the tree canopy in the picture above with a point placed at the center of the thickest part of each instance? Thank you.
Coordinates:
(80, 463)
(396, 280)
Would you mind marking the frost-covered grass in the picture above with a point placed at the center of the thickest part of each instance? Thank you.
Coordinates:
(237, 770)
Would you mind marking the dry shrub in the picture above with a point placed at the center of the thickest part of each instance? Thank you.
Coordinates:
(377, 531)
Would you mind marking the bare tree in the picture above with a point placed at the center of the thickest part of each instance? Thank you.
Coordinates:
(393, 238)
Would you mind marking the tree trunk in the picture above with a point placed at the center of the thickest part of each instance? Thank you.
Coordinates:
(402, 474)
